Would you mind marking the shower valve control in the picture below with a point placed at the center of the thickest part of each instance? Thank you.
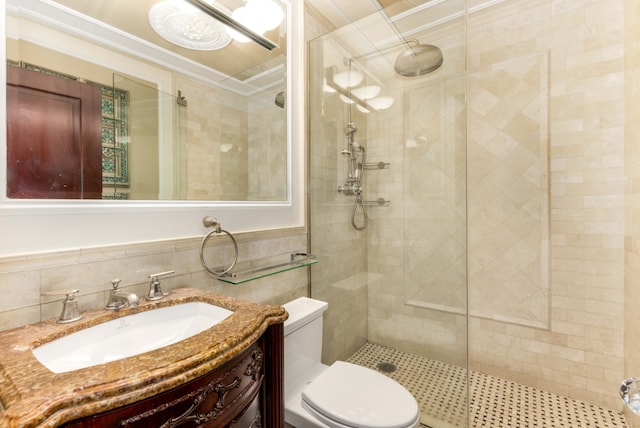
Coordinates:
(349, 189)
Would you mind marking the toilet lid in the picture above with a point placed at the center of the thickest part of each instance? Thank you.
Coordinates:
(347, 395)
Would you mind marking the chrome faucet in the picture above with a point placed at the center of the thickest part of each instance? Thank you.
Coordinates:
(70, 312)
(119, 299)
(155, 291)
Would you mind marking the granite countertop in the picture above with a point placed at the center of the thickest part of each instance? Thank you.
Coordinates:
(33, 396)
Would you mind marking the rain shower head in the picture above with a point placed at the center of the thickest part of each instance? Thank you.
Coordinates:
(415, 60)
(418, 60)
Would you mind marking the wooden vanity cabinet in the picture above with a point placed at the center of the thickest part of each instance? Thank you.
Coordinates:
(245, 392)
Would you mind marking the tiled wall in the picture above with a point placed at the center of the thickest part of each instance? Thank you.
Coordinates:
(267, 157)
(577, 347)
(23, 279)
(202, 152)
(508, 191)
(234, 145)
(632, 198)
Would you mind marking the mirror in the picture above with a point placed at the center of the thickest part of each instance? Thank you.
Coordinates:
(171, 122)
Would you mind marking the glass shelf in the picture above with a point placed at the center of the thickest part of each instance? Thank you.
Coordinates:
(297, 260)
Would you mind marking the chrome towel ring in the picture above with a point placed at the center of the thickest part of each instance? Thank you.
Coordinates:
(217, 229)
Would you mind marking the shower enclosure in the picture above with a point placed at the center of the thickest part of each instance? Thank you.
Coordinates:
(388, 199)
(515, 231)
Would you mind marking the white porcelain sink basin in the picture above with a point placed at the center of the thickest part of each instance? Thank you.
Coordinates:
(128, 336)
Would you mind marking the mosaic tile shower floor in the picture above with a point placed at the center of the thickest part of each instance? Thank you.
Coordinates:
(439, 389)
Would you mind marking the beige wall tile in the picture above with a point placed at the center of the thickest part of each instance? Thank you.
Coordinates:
(24, 279)
(586, 121)
(19, 290)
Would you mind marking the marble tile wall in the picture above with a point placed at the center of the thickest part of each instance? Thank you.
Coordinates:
(23, 279)
(229, 152)
(210, 171)
(267, 155)
(508, 191)
(578, 350)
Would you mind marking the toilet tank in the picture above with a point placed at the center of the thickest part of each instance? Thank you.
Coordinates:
(302, 337)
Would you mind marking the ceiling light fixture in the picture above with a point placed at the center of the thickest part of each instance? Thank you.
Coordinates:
(244, 17)
(186, 26)
(269, 13)
(257, 15)
(233, 24)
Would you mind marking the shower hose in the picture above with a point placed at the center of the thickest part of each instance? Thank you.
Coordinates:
(359, 202)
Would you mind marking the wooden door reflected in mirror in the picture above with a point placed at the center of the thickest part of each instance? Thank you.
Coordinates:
(53, 137)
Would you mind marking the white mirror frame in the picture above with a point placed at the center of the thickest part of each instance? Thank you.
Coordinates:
(34, 226)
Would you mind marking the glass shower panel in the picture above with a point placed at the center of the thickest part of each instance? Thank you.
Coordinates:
(435, 208)
(343, 279)
(397, 288)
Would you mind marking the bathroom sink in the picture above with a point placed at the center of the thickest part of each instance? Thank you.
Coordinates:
(128, 336)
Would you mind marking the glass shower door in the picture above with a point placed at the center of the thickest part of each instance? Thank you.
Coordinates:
(397, 288)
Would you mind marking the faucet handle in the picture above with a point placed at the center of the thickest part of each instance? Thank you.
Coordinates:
(154, 276)
(70, 312)
(60, 292)
(155, 291)
(115, 283)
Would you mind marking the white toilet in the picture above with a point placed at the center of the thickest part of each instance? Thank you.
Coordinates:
(342, 395)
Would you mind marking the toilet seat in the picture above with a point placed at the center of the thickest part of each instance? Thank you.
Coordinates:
(350, 396)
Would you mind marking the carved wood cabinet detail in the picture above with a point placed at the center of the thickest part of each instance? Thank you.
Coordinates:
(238, 394)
